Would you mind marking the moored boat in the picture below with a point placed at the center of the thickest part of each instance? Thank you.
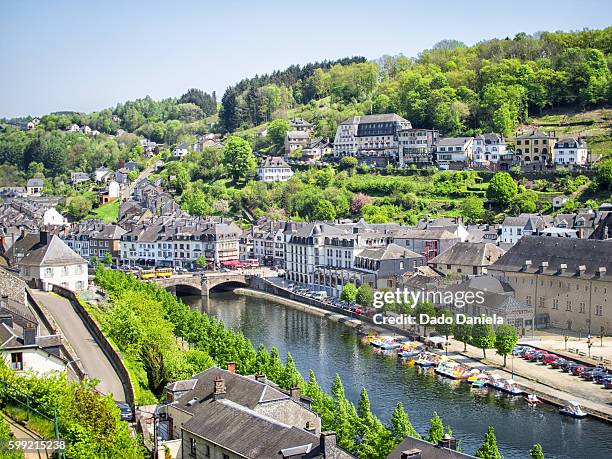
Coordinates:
(573, 409)
(532, 399)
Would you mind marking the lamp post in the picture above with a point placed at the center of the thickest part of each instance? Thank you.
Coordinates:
(513, 365)
(566, 339)
(589, 344)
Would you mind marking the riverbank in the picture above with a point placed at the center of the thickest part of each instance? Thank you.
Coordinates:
(549, 385)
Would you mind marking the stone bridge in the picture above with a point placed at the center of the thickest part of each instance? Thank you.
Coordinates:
(202, 284)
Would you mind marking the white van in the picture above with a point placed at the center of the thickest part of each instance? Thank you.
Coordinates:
(320, 295)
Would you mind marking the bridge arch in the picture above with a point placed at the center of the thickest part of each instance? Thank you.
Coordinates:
(184, 289)
(227, 285)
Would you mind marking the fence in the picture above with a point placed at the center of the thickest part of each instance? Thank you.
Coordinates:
(109, 350)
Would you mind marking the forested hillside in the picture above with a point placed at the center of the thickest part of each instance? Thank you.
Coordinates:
(492, 86)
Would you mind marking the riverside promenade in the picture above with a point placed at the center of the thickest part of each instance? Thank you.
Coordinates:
(550, 385)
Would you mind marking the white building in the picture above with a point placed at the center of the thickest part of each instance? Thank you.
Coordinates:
(23, 351)
(35, 186)
(52, 262)
(370, 135)
(416, 146)
(488, 148)
(455, 150)
(102, 174)
(114, 189)
(52, 217)
(571, 151)
(514, 228)
(274, 169)
(180, 151)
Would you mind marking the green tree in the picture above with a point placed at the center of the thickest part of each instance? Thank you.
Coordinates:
(445, 329)
(502, 189)
(324, 210)
(536, 452)
(472, 209)
(436, 429)
(506, 338)
(604, 175)
(401, 427)
(238, 158)
(201, 262)
(79, 206)
(154, 365)
(424, 312)
(483, 337)
(364, 296)
(107, 259)
(277, 130)
(488, 449)
(349, 293)
(463, 333)
(349, 164)
(291, 376)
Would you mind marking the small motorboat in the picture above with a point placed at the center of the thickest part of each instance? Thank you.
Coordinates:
(573, 409)
(427, 359)
(532, 399)
(408, 354)
(389, 345)
(509, 387)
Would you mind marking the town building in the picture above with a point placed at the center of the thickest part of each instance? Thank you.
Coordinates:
(295, 140)
(315, 150)
(103, 175)
(265, 422)
(416, 146)
(488, 148)
(112, 193)
(373, 139)
(457, 151)
(427, 242)
(179, 151)
(535, 149)
(416, 448)
(274, 169)
(567, 281)
(300, 124)
(76, 178)
(52, 262)
(571, 151)
(121, 176)
(35, 186)
(466, 258)
(514, 228)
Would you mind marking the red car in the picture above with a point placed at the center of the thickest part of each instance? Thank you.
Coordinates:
(527, 355)
(578, 370)
(550, 358)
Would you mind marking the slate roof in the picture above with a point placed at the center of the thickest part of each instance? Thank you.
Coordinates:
(56, 252)
(572, 142)
(243, 391)
(390, 252)
(297, 135)
(435, 233)
(556, 251)
(534, 134)
(470, 254)
(428, 450)
(247, 433)
(274, 161)
(603, 231)
(452, 141)
(36, 182)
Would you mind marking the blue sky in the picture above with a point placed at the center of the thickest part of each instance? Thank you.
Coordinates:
(85, 56)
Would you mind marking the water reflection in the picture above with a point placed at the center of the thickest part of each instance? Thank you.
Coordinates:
(328, 348)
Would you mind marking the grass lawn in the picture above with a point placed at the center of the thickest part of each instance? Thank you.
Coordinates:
(108, 213)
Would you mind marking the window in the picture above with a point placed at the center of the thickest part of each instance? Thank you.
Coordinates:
(568, 305)
(206, 451)
(17, 361)
(192, 446)
(225, 456)
(582, 308)
(48, 272)
(555, 304)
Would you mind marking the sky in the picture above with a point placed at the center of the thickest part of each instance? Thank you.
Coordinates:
(85, 56)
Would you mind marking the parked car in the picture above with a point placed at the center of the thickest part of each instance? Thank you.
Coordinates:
(608, 383)
(558, 363)
(591, 374)
(579, 369)
(528, 353)
(537, 356)
(550, 358)
(126, 411)
(568, 366)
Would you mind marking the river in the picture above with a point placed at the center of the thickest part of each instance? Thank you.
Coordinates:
(328, 347)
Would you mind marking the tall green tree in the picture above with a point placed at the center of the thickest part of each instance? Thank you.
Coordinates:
(488, 449)
(349, 293)
(445, 329)
(506, 338)
(502, 189)
(472, 209)
(401, 427)
(277, 130)
(424, 312)
(436, 429)
(483, 337)
(463, 333)
(364, 296)
(238, 159)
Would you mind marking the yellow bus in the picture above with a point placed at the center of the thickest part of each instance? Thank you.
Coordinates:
(164, 272)
(147, 274)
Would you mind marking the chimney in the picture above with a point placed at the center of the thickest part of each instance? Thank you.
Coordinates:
(29, 334)
(601, 271)
(581, 270)
(449, 442)
(562, 268)
(260, 378)
(295, 393)
(311, 427)
(526, 265)
(413, 453)
(543, 266)
(8, 320)
(328, 444)
(231, 367)
(219, 390)
(44, 237)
